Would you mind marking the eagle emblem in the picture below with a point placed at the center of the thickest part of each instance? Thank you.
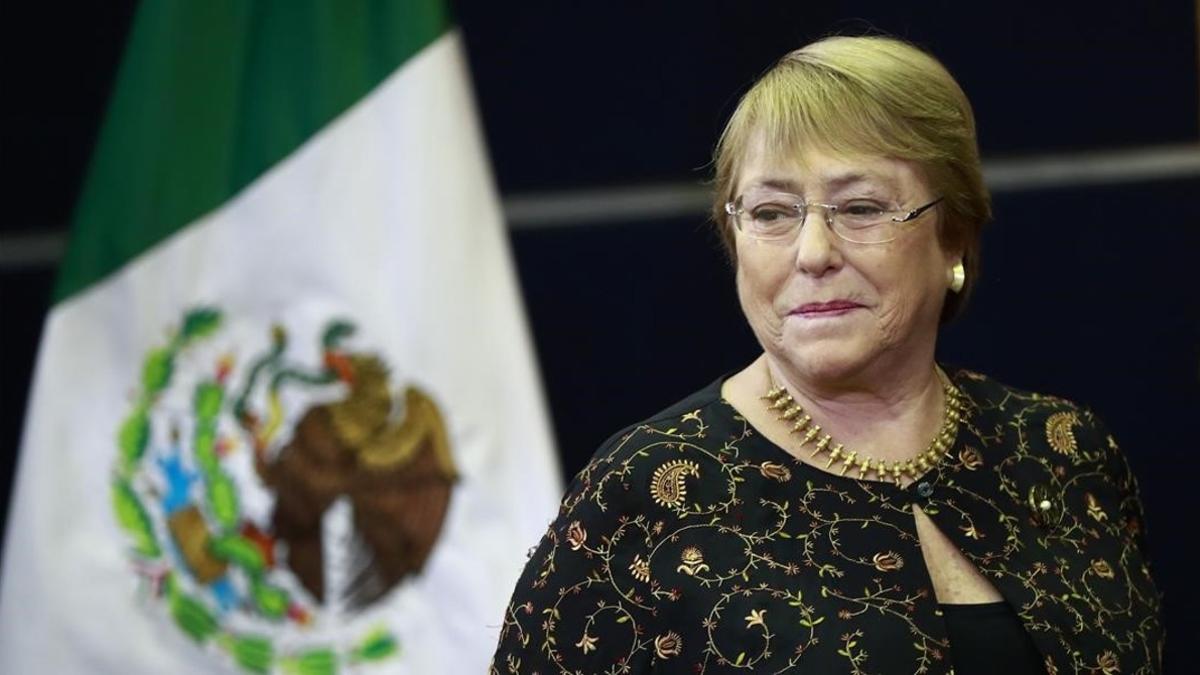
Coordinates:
(298, 491)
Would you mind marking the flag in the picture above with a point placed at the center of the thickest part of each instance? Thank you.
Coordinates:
(285, 415)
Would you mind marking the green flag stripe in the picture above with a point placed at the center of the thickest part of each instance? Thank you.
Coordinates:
(213, 93)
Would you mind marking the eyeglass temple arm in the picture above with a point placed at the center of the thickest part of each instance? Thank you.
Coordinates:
(917, 211)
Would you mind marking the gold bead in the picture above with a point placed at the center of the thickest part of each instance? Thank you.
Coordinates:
(848, 460)
(781, 403)
(791, 412)
(801, 423)
(811, 433)
(823, 443)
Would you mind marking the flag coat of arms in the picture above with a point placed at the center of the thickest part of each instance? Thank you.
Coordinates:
(286, 415)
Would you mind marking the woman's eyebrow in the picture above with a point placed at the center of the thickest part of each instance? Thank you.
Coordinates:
(845, 180)
(784, 184)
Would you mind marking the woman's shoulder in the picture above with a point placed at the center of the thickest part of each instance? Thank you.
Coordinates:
(987, 394)
(677, 439)
(991, 393)
(689, 412)
(1035, 423)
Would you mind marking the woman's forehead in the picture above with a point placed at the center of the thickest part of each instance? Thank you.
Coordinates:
(769, 166)
(825, 170)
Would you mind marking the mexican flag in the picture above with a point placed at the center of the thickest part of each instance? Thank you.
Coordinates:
(286, 416)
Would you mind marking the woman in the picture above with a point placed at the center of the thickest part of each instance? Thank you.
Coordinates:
(844, 504)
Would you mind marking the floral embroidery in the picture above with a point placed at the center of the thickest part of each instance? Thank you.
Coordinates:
(775, 471)
(748, 531)
(1059, 432)
(640, 569)
(757, 618)
(886, 562)
(1093, 508)
(970, 458)
(1102, 569)
(576, 535)
(667, 486)
(666, 646)
(587, 643)
(1108, 663)
(692, 561)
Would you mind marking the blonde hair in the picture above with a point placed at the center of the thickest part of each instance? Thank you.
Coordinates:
(866, 95)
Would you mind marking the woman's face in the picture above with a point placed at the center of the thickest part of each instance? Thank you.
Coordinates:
(830, 309)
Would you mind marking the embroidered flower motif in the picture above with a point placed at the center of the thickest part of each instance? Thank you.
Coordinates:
(1060, 432)
(576, 535)
(1093, 508)
(692, 561)
(1108, 663)
(757, 618)
(640, 569)
(971, 532)
(587, 643)
(1132, 526)
(775, 471)
(887, 562)
(970, 457)
(666, 646)
(1102, 569)
(666, 485)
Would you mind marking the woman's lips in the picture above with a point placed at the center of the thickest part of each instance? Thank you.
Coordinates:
(823, 309)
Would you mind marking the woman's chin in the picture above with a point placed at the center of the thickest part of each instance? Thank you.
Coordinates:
(824, 359)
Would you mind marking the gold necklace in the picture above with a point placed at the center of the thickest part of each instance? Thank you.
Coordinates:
(778, 399)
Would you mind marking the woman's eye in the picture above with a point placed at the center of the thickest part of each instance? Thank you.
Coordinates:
(862, 209)
(770, 214)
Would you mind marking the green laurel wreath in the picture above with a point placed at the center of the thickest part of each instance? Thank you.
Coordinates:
(254, 653)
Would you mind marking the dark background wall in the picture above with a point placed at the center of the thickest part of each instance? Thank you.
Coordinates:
(1089, 287)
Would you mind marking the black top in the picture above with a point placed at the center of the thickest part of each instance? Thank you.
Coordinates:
(988, 639)
(692, 544)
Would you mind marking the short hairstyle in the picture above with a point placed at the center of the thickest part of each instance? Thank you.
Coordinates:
(866, 95)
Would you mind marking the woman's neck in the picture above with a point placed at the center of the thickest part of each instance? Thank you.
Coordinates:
(890, 416)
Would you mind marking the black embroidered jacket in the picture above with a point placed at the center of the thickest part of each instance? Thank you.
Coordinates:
(692, 544)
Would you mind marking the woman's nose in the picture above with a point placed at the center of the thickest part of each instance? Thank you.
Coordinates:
(816, 245)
